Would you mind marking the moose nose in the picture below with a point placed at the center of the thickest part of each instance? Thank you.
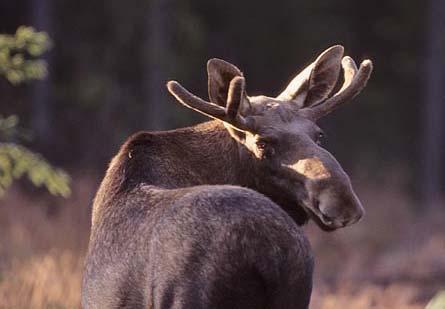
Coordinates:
(349, 220)
(355, 216)
(339, 210)
(359, 215)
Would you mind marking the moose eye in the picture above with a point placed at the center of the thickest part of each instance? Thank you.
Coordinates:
(265, 149)
(261, 145)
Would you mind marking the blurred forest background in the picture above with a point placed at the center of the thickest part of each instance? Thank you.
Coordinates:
(107, 64)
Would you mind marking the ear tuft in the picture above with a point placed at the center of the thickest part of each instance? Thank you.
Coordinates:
(220, 74)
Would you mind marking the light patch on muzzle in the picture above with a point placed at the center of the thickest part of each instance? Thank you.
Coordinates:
(312, 168)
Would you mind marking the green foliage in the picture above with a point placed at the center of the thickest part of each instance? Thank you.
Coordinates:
(19, 52)
(9, 129)
(17, 161)
(8, 126)
(19, 63)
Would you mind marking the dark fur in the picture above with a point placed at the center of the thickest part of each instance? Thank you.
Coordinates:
(169, 233)
(208, 216)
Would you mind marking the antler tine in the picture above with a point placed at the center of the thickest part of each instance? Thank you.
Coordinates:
(354, 83)
(228, 115)
(234, 101)
(235, 96)
(349, 71)
(194, 102)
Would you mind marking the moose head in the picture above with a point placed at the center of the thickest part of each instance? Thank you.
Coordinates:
(279, 139)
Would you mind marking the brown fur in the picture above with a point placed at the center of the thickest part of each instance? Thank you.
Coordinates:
(208, 216)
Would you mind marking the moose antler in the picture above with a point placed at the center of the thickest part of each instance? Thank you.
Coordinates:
(354, 82)
(228, 115)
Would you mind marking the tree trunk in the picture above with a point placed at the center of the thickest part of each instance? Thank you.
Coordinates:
(40, 93)
(433, 150)
(156, 50)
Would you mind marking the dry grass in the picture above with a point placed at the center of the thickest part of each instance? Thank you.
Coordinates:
(51, 280)
(392, 259)
(42, 244)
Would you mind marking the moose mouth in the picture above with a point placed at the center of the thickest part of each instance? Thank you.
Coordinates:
(324, 222)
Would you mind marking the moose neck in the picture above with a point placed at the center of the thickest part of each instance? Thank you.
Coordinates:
(204, 154)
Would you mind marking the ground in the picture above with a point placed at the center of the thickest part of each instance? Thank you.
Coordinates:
(393, 258)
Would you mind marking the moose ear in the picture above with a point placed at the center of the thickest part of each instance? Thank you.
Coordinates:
(220, 74)
(314, 84)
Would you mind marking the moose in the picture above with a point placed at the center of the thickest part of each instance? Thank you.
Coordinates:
(210, 216)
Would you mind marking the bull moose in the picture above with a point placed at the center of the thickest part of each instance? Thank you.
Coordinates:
(210, 216)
